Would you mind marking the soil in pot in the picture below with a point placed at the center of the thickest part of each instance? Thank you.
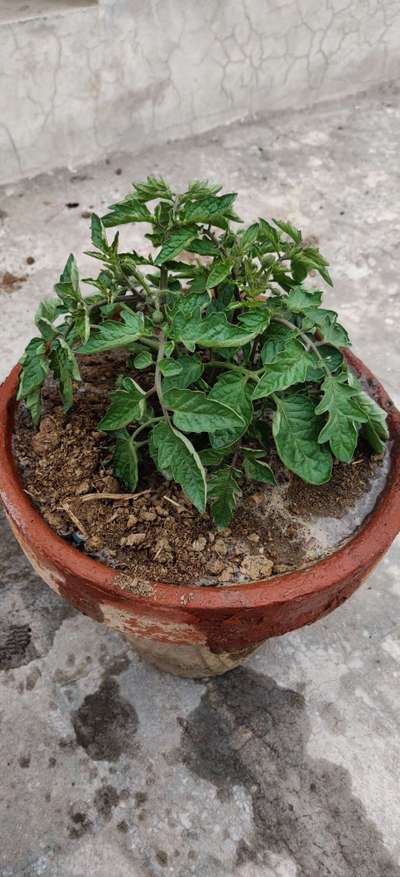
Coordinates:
(158, 535)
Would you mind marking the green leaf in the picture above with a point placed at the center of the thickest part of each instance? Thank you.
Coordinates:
(227, 438)
(212, 456)
(196, 412)
(176, 455)
(180, 269)
(255, 468)
(375, 428)
(115, 333)
(200, 189)
(188, 305)
(332, 357)
(276, 339)
(190, 372)
(312, 258)
(128, 403)
(295, 429)
(268, 233)
(98, 236)
(74, 275)
(35, 367)
(198, 284)
(177, 242)
(219, 271)
(341, 404)
(128, 210)
(81, 325)
(223, 297)
(233, 389)
(207, 208)
(281, 276)
(65, 368)
(326, 321)
(151, 188)
(48, 310)
(289, 229)
(169, 348)
(290, 368)
(309, 259)
(143, 359)
(170, 367)
(125, 460)
(300, 298)
(224, 492)
(130, 260)
(215, 331)
(299, 268)
(67, 288)
(203, 247)
(248, 236)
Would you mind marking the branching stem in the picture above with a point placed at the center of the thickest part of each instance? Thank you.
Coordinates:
(158, 378)
(152, 293)
(221, 363)
(307, 341)
(105, 301)
(145, 425)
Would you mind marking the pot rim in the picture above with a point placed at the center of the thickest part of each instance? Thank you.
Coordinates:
(362, 550)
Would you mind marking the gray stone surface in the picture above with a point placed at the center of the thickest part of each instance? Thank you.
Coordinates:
(288, 767)
(80, 77)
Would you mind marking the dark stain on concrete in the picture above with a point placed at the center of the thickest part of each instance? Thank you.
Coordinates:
(16, 646)
(106, 723)
(32, 678)
(68, 744)
(80, 823)
(24, 760)
(249, 731)
(113, 665)
(105, 799)
(162, 858)
(30, 612)
(123, 826)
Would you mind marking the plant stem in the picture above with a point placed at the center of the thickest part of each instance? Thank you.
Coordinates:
(157, 378)
(215, 240)
(220, 363)
(148, 342)
(142, 280)
(145, 425)
(105, 301)
(163, 285)
(163, 278)
(307, 341)
(235, 457)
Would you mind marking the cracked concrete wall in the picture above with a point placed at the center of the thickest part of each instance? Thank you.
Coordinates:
(124, 75)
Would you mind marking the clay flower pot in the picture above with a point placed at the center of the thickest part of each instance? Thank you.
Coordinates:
(200, 631)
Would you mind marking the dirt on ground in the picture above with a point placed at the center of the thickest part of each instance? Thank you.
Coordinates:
(157, 535)
(11, 282)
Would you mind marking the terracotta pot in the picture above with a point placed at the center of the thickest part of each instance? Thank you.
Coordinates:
(200, 631)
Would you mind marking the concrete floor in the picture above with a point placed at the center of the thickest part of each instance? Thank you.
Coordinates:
(290, 766)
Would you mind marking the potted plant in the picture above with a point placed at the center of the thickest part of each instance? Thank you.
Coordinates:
(218, 373)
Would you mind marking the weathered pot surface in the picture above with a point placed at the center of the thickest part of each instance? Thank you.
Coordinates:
(200, 631)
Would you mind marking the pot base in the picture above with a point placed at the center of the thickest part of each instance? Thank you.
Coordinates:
(194, 661)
